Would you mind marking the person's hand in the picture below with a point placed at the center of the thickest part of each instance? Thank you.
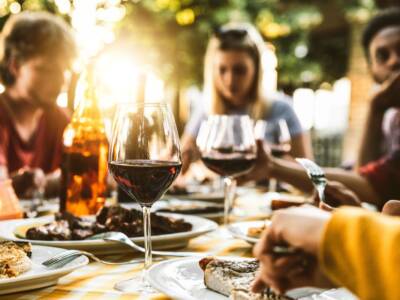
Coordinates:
(262, 166)
(337, 194)
(284, 272)
(190, 153)
(53, 184)
(391, 208)
(387, 95)
(27, 182)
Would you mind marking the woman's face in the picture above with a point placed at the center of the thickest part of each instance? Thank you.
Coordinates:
(234, 75)
(39, 80)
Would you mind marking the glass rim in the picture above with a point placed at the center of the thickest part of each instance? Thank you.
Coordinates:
(138, 104)
(229, 116)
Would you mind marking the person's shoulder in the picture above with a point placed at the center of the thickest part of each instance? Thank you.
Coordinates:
(59, 115)
(4, 112)
(280, 103)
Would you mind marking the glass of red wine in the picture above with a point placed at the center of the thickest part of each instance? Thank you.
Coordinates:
(144, 159)
(277, 138)
(227, 147)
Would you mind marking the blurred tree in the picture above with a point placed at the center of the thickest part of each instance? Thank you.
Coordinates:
(311, 39)
(310, 50)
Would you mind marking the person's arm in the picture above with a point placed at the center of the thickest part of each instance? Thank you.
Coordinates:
(349, 248)
(370, 148)
(28, 182)
(291, 172)
(53, 184)
(301, 146)
(190, 152)
(300, 140)
(383, 99)
(3, 157)
(353, 243)
(294, 174)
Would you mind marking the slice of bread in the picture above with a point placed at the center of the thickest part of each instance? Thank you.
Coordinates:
(233, 278)
(14, 259)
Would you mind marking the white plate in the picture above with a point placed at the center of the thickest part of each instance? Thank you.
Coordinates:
(212, 196)
(183, 279)
(39, 276)
(200, 226)
(190, 203)
(199, 192)
(239, 230)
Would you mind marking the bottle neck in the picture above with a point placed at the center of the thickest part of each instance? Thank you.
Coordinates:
(88, 107)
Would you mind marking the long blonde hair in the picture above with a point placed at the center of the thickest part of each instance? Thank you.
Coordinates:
(243, 37)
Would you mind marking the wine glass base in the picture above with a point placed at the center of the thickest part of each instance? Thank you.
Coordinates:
(137, 284)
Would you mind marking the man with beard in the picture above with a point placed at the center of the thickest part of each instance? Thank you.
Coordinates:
(379, 156)
(378, 178)
(36, 50)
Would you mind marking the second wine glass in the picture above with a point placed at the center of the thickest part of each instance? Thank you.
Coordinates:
(144, 159)
(227, 147)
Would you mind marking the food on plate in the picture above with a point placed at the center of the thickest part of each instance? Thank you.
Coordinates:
(233, 278)
(110, 218)
(14, 258)
(255, 232)
(192, 208)
(177, 190)
(285, 202)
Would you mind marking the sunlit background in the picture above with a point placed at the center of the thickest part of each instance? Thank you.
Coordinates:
(314, 54)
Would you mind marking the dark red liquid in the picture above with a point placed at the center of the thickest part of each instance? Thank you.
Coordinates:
(229, 166)
(145, 181)
(279, 150)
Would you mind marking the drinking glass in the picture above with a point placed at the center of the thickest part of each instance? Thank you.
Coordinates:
(276, 134)
(278, 140)
(227, 147)
(144, 159)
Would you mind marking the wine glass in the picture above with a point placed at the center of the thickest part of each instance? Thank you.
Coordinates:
(144, 159)
(227, 147)
(276, 134)
(278, 139)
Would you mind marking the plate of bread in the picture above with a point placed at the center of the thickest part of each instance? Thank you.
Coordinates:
(21, 266)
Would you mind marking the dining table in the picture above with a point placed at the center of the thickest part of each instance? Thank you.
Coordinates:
(97, 281)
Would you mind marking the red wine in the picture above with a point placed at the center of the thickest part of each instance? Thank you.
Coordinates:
(279, 150)
(145, 180)
(229, 166)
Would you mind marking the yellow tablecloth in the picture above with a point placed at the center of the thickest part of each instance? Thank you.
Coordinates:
(96, 281)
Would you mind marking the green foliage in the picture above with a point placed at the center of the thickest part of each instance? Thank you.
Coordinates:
(182, 40)
(173, 34)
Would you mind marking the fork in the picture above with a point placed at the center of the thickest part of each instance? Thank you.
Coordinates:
(119, 237)
(63, 258)
(316, 174)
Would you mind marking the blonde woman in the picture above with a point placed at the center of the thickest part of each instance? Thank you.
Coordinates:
(233, 76)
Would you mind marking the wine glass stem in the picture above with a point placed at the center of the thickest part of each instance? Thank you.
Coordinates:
(147, 237)
(273, 185)
(229, 185)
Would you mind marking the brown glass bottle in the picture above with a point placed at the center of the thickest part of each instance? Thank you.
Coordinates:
(84, 162)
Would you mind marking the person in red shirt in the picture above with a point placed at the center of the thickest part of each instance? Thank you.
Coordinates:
(37, 49)
(377, 178)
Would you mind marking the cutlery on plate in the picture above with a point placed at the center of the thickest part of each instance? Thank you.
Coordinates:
(119, 237)
(280, 250)
(316, 174)
(67, 256)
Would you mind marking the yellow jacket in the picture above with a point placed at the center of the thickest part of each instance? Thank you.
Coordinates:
(361, 251)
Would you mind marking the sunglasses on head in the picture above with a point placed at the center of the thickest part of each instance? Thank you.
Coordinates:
(222, 33)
